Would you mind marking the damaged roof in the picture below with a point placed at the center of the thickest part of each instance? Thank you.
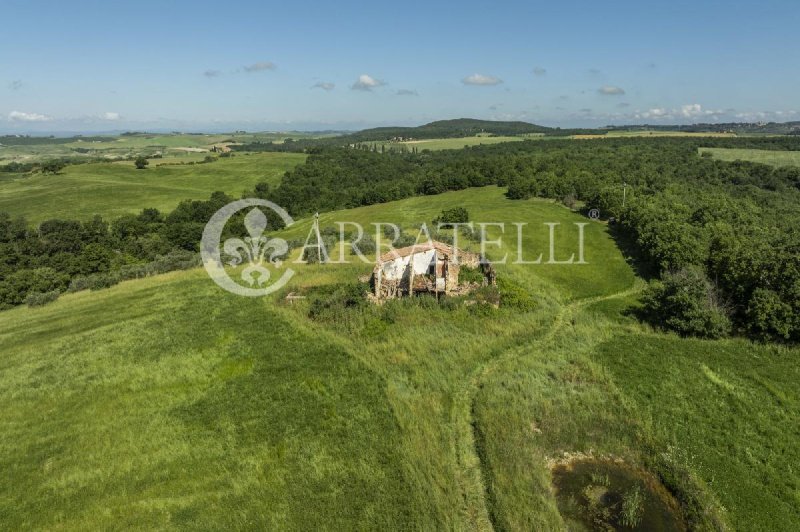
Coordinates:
(441, 247)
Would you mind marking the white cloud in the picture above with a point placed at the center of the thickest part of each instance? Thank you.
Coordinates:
(691, 110)
(539, 71)
(110, 116)
(260, 66)
(657, 112)
(366, 83)
(27, 117)
(480, 79)
(324, 85)
(610, 90)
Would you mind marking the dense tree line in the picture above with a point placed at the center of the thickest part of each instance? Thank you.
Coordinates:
(61, 255)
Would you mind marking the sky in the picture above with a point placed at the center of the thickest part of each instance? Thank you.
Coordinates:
(87, 66)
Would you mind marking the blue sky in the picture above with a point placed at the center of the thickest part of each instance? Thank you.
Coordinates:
(95, 66)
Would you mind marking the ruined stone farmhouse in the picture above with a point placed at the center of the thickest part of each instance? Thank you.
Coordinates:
(432, 268)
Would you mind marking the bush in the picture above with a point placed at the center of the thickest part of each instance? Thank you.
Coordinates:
(470, 275)
(141, 163)
(486, 296)
(366, 245)
(96, 281)
(37, 299)
(175, 260)
(456, 215)
(53, 167)
(687, 303)
(331, 302)
(514, 296)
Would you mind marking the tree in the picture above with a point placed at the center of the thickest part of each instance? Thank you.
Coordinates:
(94, 258)
(769, 317)
(141, 163)
(456, 215)
(687, 303)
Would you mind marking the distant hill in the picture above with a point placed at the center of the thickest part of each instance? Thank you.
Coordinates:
(470, 127)
(460, 127)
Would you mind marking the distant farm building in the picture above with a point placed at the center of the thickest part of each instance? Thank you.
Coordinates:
(431, 268)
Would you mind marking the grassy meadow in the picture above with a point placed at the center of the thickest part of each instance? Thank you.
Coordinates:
(111, 147)
(660, 133)
(115, 188)
(772, 157)
(167, 402)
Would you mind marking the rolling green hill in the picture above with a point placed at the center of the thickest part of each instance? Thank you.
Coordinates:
(461, 127)
(112, 189)
(166, 402)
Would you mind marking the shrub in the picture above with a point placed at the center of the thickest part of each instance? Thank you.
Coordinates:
(141, 163)
(514, 296)
(96, 281)
(452, 216)
(486, 296)
(470, 275)
(687, 303)
(37, 299)
(175, 260)
(366, 245)
(53, 167)
(331, 302)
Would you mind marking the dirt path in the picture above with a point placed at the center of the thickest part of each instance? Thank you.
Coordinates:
(475, 492)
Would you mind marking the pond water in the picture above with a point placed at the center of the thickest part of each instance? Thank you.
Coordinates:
(595, 494)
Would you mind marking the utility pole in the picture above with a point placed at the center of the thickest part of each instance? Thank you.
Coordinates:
(624, 193)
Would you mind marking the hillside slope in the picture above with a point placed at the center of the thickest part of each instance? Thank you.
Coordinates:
(167, 402)
(113, 189)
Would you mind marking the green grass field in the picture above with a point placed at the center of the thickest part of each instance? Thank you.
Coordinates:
(123, 146)
(169, 403)
(773, 157)
(659, 133)
(111, 189)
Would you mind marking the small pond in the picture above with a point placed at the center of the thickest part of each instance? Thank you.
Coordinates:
(597, 494)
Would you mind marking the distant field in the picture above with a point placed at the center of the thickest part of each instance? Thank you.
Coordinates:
(773, 157)
(111, 189)
(449, 144)
(168, 145)
(652, 134)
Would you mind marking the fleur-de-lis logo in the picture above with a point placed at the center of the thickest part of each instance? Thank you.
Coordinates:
(257, 249)
(259, 252)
